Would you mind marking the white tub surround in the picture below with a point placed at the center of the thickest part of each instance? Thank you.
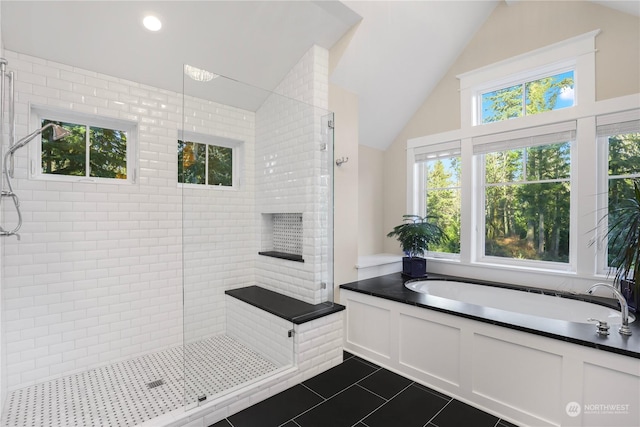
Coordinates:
(376, 265)
(494, 359)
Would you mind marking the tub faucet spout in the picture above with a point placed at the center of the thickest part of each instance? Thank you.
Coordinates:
(624, 309)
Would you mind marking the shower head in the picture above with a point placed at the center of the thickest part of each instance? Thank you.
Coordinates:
(58, 133)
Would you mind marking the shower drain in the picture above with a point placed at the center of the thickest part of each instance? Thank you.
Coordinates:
(156, 383)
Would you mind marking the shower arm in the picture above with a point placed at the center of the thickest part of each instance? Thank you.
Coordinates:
(59, 132)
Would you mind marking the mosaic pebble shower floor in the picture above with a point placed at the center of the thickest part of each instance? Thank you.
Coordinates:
(134, 391)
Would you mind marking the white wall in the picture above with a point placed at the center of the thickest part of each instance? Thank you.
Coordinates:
(346, 228)
(97, 275)
(289, 170)
(371, 235)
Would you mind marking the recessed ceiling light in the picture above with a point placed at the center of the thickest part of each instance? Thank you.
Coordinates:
(152, 23)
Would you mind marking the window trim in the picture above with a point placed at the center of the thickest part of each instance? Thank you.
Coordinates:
(584, 217)
(446, 149)
(237, 154)
(523, 78)
(602, 150)
(39, 113)
(577, 52)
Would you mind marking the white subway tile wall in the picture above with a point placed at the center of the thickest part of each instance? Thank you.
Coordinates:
(288, 170)
(260, 331)
(98, 274)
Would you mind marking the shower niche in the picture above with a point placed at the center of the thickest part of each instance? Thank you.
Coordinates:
(281, 236)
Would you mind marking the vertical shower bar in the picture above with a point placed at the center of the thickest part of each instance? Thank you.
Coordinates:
(3, 70)
(12, 119)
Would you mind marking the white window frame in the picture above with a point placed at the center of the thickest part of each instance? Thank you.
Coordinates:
(446, 149)
(584, 160)
(603, 184)
(480, 201)
(38, 113)
(237, 154)
(522, 78)
(577, 53)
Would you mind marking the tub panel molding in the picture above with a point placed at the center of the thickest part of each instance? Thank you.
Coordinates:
(429, 347)
(603, 406)
(374, 339)
(522, 377)
(498, 365)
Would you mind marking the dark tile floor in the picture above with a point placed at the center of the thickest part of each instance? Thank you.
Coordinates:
(360, 394)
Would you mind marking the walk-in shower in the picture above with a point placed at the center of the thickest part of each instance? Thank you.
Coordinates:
(118, 302)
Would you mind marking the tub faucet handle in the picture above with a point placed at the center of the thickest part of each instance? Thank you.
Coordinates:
(602, 327)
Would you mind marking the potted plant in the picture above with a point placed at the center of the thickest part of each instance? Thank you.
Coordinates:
(415, 235)
(623, 235)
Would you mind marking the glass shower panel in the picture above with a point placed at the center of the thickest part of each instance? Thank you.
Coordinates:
(250, 169)
(326, 206)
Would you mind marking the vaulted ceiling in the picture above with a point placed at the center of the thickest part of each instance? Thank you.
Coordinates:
(396, 56)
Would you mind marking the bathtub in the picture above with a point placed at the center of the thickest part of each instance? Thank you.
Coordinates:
(536, 304)
(526, 357)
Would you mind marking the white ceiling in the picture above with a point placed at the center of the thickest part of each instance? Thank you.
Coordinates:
(398, 54)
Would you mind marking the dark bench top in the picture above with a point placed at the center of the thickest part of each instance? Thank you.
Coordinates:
(283, 306)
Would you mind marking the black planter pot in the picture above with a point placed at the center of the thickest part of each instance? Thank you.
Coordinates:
(414, 267)
(630, 292)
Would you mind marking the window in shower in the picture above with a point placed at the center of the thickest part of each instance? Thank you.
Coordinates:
(438, 172)
(526, 214)
(96, 149)
(619, 152)
(208, 161)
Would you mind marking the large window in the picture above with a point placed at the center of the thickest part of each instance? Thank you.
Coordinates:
(620, 146)
(527, 196)
(97, 149)
(528, 97)
(439, 172)
(208, 161)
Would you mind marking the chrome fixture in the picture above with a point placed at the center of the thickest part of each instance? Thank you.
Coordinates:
(58, 133)
(199, 74)
(341, 161)
(624, 309)
(602, 327)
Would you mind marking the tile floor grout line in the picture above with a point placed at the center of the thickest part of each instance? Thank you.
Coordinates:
(320, 403)
(385, 400)
(437, 413)
(314, 392)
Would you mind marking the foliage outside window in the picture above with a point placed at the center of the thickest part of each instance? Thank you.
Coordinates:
(205, 164)
(624, 166)
(527, 202)
(527, 98)
(89, 151)
(443, 200)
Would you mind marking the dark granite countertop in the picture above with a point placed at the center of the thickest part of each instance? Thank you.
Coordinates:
(392, 287)
(287, 308)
